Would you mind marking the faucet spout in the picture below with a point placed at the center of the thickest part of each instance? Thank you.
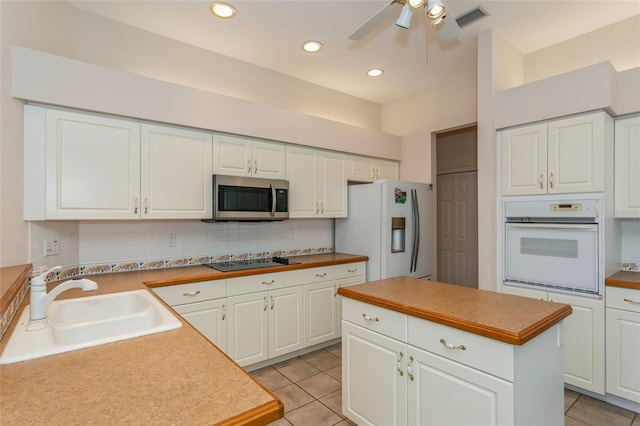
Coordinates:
(40, 299)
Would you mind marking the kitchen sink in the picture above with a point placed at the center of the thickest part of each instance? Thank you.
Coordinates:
(89, 321)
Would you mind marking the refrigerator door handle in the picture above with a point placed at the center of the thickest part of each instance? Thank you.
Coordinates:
(416, 230)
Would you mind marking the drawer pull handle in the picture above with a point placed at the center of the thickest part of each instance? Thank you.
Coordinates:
(191, 293)
(322, 275)
(368, 318)
(352, 270)
(635, 302)
(268, 282)
(452, 346)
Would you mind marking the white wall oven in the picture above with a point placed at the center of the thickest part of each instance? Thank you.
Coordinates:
(554, 244)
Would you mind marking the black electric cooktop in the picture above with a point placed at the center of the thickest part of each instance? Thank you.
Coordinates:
(239, 265)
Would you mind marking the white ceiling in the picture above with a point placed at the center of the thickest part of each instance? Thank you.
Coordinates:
(269, 34)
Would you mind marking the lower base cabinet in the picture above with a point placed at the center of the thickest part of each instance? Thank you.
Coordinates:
(584, 344)
(392, 376)
(209, 318)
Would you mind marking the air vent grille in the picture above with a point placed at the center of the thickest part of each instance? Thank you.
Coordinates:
(471, 16)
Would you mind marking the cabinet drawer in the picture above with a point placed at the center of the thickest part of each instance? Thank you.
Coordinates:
(193, 292)
(482, 353)
(352, 269)
(262, 282)
(316, 275)
(381, 320)
(626, 299)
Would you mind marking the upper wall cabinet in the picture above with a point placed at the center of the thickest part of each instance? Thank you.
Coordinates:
(366, 169)
(627, 172)
(556, 157)
(87, 166)
(317, 183)
(237, 156)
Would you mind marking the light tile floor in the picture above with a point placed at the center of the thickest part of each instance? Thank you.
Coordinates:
(311, 390)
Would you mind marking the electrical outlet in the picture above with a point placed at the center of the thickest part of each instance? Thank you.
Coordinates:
(172, 240)
(51, 247)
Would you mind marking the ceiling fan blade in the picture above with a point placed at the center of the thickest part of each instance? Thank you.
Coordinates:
(379, 17)
(449, 30)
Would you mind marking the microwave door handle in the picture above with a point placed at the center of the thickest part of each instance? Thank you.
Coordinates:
(273, 200)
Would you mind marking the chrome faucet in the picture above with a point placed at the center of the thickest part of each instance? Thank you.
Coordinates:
(40, 299)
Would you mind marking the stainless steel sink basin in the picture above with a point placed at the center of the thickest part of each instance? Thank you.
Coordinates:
(89, 321)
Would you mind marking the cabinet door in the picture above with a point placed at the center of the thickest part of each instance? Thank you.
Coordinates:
(232, 156)
(209, 318)
(333, 185)
(360, 169)
(268, 160)
(302, 174)
(175, 173)
(584, 362)
(374, 386)
(92, 166)
(441, 391)
(623, 354)
(524, 160)
(320, 303)
(387, 170)
(247, 328)
(627, 172)
(576, 154)
(285, 321)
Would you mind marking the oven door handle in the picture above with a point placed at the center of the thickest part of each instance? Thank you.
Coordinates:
(567, 226)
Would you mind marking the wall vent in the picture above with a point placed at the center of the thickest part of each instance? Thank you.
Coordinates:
(471, 16)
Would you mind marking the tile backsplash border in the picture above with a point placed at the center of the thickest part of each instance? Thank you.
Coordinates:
(631, 265)
(72, 271)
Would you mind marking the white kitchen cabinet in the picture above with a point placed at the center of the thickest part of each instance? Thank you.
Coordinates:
(348, 274)
(317, 183)
(584, 337)
(175, 173)
(623, 343)
(556, 157)
(209, 318)
(374, 387)
(238, 156)
(419, 380)
(627, 172)
(262, 323)
(89, 166)
(202, 304)
(319, 288)
(367, 169)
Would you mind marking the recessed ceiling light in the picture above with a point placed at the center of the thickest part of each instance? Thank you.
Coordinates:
(311, 46)
(375, 72)
(222, 10)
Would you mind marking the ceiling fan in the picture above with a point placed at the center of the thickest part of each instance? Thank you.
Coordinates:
(437, 15)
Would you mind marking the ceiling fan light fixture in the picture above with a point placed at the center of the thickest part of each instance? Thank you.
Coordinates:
(416, 4)
(375, 72)
(311, 46)
(435, 9)
(438, 22)
(404, 20)
(222, 10)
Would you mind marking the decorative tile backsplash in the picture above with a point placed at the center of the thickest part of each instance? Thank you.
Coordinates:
(631, 265)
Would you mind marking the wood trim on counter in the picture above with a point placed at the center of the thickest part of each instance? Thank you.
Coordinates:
(264, 414)
(625, 279)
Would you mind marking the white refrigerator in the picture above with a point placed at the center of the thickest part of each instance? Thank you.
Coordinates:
(390, 222)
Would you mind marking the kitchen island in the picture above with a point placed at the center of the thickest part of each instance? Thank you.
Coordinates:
(174, 377)
(422, 352)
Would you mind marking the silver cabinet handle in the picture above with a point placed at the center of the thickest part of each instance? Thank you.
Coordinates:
(273, 303)
(146, 205)
(322, 275)
(224, 312)
(248, 166)
(635, 302)
(399, 363)
(255, 168)
(191, 293)
(352, 270)
(135, 205)
(368, 318)
(541, 181)
(268, 282)
(452, 346)
(551, 179)
(335, 291)
(410, 368)
(265, 303)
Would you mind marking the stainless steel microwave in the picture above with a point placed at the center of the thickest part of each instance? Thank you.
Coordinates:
(237, 198)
